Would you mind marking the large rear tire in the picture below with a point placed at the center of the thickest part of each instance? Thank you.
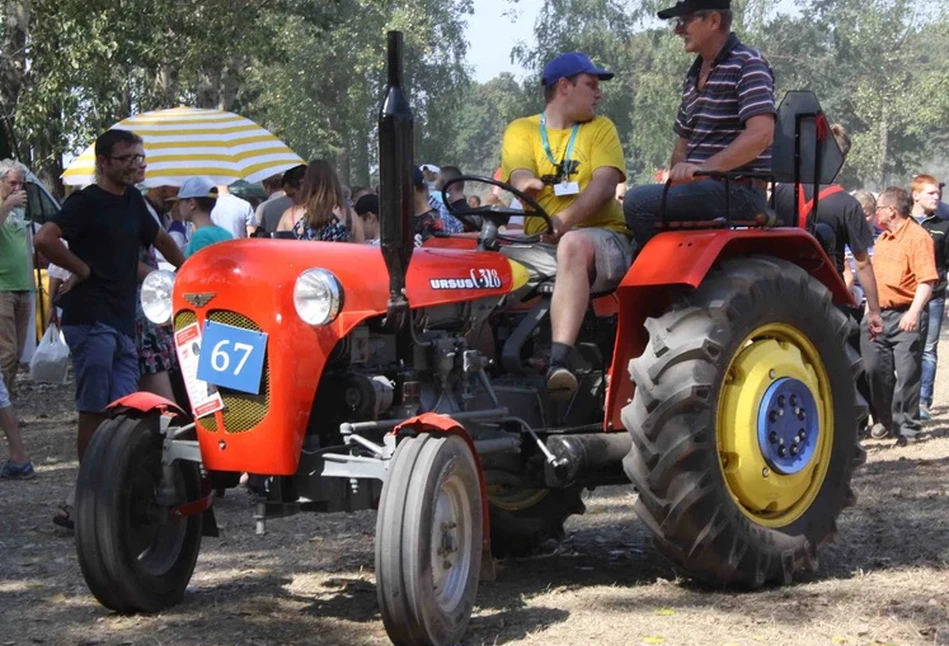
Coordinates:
(131, 560)
(428, 541)
(744, 424)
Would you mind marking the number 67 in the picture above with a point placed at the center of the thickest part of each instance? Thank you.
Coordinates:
(221, 360)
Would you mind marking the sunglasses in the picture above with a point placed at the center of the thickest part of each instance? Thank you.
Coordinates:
(684, 21)
(126, 159)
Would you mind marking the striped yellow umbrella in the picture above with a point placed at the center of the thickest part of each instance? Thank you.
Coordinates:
(182, 142)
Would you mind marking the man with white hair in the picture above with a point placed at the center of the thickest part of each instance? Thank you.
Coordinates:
(16, 282)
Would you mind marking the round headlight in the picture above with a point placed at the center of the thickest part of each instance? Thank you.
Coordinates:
(317, 295)
(156, 296)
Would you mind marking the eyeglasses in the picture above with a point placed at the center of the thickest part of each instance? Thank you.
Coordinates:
(685, 21)
(128, 159)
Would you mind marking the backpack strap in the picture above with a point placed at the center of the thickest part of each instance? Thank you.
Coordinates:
(805, 208)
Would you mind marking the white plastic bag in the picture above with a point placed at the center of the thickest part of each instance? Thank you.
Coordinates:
(50, 361)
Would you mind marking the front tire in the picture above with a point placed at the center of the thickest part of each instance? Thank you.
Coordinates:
(744, 424)
(131, 560)
(428, 541)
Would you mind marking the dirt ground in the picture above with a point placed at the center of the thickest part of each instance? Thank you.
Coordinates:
(310, 579)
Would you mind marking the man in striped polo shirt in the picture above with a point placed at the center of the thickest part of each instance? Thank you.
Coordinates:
(725, 123)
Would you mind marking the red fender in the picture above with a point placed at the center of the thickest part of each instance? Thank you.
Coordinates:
(442, 424)
(147, 402)
(684, 258)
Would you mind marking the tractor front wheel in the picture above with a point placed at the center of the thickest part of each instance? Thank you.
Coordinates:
(134, 555)
(428, 541)
(744, 424)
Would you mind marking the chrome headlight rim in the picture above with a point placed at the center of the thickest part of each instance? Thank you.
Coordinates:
(312, 279)
(156, 296)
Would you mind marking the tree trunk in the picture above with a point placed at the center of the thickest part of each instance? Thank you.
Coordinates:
(360, 162)
(208, 90)
(884, 145)
(16, 24)
(230, 83)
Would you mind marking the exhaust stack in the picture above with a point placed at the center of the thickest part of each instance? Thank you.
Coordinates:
(396, 202)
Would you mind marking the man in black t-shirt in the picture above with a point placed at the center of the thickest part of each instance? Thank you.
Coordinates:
(842, 213)
(105, 224)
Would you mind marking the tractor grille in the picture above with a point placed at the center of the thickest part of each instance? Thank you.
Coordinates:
(242, 411)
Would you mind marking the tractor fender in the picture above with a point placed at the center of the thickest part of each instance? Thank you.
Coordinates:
(684, 258)
(145, 403)
(444, 425)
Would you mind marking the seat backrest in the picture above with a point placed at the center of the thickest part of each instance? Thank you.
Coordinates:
(804, 149)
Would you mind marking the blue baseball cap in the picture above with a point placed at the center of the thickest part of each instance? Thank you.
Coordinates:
(572, 63)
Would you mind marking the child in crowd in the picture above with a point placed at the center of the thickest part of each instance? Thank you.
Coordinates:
(367, 208)
(196, 199)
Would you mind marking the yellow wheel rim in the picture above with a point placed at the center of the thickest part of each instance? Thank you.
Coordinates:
(775, 490)
(514, 498)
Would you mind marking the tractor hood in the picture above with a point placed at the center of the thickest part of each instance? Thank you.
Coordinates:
(257, 277)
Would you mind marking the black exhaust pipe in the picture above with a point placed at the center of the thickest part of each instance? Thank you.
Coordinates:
(395, 185)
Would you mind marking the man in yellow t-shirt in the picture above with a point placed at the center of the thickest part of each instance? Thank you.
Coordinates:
(570, 161)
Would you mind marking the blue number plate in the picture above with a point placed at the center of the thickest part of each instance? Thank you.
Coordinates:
(232, 357)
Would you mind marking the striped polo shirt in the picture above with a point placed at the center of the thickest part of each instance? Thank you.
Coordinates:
(740, 86)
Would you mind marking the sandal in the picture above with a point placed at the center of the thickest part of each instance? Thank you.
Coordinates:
(63, 517)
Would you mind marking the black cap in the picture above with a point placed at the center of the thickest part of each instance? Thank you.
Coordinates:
(367, 204)
(686, 7)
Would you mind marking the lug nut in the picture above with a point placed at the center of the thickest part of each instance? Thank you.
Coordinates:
(773, 437)
(781, 400)
(773, 416)
(801, 414)
(793, 450)
(766, 472)
(781, 451)
(793, 400)
(772, 373)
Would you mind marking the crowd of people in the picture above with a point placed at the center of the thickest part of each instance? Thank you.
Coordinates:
(889, 248)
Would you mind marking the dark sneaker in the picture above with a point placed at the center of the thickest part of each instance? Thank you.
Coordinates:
(13, 471)
(924, 413)
(879, 431)
(561, 383)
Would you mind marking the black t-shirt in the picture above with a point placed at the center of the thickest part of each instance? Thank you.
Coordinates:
(840, 211)
(105, 231)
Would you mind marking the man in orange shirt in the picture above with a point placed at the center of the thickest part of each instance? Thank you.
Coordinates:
(905, 268)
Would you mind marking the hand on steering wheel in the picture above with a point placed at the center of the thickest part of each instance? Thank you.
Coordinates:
(494, 214)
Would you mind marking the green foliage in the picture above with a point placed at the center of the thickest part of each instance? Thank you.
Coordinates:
(312, 72)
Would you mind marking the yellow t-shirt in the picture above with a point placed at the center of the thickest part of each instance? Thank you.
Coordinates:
(597, 145)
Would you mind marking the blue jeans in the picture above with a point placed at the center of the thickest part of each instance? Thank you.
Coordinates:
(936, 310)
(699, 201)
(105, 363)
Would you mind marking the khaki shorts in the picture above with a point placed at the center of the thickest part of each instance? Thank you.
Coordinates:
(614, 255)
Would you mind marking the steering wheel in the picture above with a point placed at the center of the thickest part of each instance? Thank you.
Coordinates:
(495, 216)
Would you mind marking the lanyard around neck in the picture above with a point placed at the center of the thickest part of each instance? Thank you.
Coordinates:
(568, 153)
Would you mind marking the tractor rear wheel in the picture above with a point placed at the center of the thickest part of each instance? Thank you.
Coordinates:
(133, 555)
(744, 424)
(522, 520)
(428, 541)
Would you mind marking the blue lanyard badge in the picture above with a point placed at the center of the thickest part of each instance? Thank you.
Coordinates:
(564, 167)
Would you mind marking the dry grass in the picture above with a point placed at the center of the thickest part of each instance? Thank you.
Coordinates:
(310, 580)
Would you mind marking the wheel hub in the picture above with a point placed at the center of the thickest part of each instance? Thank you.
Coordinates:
(775, 425)
(451, 537)
(788, 426)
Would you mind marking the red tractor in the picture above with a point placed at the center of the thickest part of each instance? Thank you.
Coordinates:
(717, 378)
